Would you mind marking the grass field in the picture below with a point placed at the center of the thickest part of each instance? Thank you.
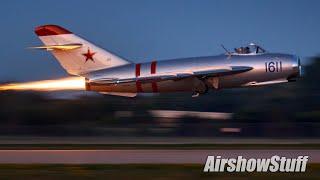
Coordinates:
(138, 172)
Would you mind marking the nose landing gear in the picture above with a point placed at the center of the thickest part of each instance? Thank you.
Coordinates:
(201, 88)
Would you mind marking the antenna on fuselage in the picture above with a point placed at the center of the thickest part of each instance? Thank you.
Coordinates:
(227, 52)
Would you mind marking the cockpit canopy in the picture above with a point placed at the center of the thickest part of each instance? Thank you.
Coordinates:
(251, 49)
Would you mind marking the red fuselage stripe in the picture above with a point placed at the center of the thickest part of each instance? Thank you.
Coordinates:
(139, 87)
(138, 72)
(153, 70)
(153, 67)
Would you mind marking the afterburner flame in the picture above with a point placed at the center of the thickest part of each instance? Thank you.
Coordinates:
(69, 83)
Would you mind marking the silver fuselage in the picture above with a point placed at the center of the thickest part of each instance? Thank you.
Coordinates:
(267, 68)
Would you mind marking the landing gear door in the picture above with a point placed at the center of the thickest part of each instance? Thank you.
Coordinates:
(214, 82)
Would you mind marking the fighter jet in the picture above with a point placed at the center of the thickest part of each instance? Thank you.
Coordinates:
(108, 73)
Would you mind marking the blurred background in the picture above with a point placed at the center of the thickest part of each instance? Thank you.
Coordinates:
(145, 30)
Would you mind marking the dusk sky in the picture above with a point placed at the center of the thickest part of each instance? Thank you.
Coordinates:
(143, 30)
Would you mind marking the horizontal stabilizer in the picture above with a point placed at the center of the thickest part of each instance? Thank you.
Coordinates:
(63, 47)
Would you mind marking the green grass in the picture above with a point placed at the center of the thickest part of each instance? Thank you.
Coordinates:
(138, 172)
(159, 146)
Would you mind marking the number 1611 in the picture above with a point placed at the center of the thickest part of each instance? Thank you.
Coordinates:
(273, 66)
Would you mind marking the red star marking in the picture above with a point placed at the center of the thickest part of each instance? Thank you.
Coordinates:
(89, 55)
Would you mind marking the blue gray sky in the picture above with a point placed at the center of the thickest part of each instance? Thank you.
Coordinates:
(142, 30)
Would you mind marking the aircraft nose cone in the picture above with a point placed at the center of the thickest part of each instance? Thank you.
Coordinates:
(296, 69)
(300, 69)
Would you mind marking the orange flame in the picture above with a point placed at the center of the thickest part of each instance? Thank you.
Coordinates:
(69, 83)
